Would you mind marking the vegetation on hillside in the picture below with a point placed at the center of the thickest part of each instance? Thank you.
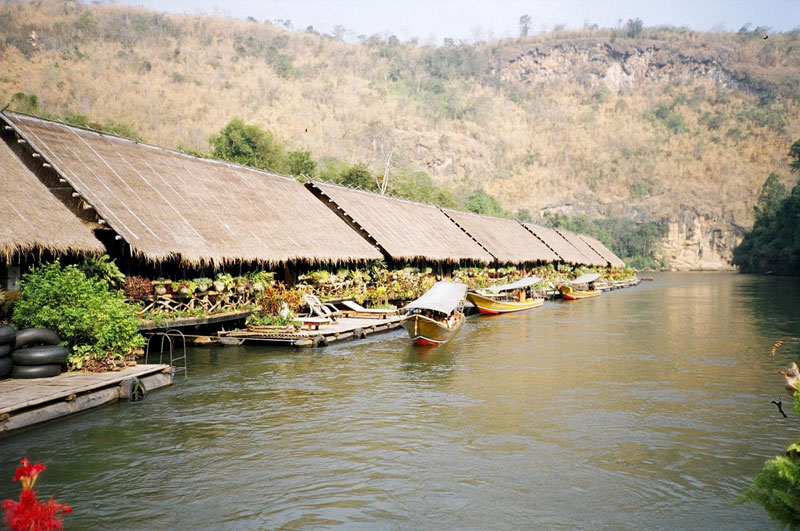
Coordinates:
(773, 244)
(631, 123)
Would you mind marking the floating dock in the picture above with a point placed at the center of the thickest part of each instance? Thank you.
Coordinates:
(25, 403)
(345, 328)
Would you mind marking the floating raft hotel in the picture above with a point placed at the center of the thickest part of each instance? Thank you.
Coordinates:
(163, 207)
(168, 206)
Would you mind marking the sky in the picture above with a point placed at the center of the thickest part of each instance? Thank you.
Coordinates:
(471, 20)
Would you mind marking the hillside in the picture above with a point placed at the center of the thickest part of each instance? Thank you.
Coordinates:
(658, 125)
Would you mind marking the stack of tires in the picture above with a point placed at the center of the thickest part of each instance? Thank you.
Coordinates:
(36, 353)
(7, 335)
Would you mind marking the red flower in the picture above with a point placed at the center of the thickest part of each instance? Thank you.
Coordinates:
(29, 514)
(27, 473)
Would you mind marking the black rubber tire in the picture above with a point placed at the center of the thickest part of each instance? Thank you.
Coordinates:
(319, 341)
(32, 356)
(5, 350)
(7, 334)
(359, 333)
(5, 367)
(39, 371)
(36, 336)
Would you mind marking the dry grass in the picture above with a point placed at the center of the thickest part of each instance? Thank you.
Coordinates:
(543, 142)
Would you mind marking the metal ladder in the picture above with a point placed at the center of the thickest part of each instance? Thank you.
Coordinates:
(166, 337)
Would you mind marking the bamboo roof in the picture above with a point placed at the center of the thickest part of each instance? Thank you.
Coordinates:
(592, 258)
(169, 205)
(33, 218)
(405, 230)
(505, 239)
(598, 247)
(566, 252)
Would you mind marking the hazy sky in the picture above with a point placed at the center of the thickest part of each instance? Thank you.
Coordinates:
(484, 19)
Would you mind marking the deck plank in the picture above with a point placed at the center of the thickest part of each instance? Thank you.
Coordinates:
(18, 394)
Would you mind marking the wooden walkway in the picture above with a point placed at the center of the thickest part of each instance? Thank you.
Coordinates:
(345, 328)
(27, 402)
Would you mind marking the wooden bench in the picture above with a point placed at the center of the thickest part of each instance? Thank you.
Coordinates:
(314, 321)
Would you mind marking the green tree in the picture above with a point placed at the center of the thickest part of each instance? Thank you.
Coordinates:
(794, 155)
(359, 176)
(482, 203)
(523, 215)
(249, 145)
(524, 25)
(634, 28)
(300, 163)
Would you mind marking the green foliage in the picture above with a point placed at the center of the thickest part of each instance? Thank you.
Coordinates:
(92, 320)
(633, 242)
(482, 203)
(359, 176)
(794, 155)
(633, 28)
(773, 244)
(777, 488)
(103, 268)
(27, 103)
(300, 163)
(249, 145)
(523, 215)
(419, 186)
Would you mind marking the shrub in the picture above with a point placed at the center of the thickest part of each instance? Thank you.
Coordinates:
(137, 288)
(91, 320)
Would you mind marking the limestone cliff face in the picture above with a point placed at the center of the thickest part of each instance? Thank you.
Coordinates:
(699, 243)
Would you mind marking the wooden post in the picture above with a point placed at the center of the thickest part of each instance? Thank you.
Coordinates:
(289, 273)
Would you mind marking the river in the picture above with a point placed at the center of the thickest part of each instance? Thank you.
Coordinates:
(644, 408)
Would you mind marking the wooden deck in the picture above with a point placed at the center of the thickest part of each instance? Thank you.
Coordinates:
(345, 328)
(193, 321)
(24, 403)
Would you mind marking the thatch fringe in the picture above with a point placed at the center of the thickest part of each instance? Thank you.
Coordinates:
(172, 206)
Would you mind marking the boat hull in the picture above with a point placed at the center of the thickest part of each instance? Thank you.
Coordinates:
(578, 295)
(429, 332)
(490, 306)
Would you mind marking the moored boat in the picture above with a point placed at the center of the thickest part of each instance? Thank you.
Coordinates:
(507, 298)
(435, 317)
(580, 288)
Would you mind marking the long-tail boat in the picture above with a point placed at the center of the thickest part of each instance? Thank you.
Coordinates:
(435, 317)
(506, 298)
(580, 288)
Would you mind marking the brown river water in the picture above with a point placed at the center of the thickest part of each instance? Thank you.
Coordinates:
(645, 408)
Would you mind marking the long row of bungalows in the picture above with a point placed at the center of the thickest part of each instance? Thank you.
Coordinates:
(68, 191)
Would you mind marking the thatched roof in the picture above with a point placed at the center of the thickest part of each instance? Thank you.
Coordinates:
(32, 218)
(592, 258)
(170, 205)
(404, 230)
(566, 252)
(603, 251)
(505, 239)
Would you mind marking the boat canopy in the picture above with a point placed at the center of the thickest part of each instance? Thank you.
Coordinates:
(443, 297)
(519, 284)
(585, 279)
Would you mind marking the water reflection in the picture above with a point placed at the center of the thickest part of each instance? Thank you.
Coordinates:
(643, 408)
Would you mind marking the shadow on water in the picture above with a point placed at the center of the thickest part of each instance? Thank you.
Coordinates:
(643, 408)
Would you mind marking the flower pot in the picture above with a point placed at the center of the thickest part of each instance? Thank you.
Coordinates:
(161, 290)
(219, 286)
